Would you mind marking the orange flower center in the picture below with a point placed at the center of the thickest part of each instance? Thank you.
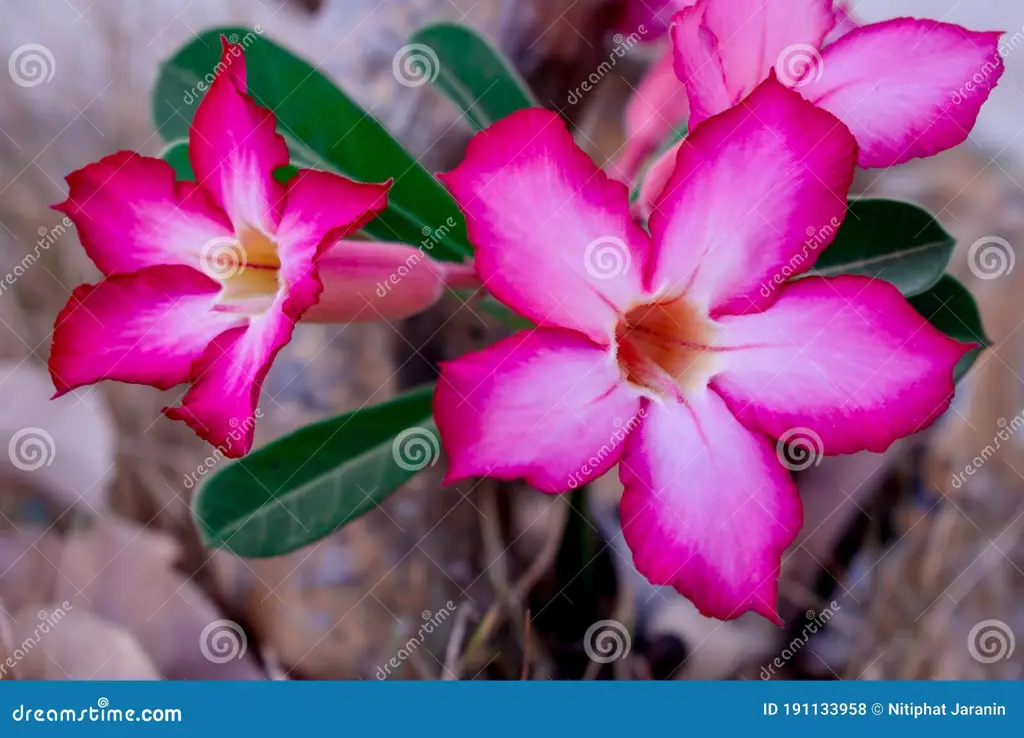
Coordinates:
(665, 347)
(247, 268)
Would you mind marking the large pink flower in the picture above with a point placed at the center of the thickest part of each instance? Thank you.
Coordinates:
(906, 88)
(671, 354)
(203, 282)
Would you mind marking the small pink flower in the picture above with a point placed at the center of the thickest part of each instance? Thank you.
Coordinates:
(676, 354)
(906, 88)
(204, 282)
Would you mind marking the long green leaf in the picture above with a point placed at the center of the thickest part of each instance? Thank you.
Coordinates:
(887, 239)
(468, 69)
(303, 487)
(950, 307)
(324, 129)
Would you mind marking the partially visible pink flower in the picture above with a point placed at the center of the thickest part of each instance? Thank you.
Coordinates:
(906, 88)
(204, 281)
(672, 354)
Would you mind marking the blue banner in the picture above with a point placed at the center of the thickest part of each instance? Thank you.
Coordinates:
(510, 708)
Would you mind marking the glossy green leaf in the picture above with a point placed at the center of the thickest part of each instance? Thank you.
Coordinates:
(886, 239)
(303, 487)
(468, 69)
(950, 307)
(324, 129)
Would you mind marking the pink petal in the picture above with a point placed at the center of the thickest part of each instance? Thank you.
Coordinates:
(234, 149)
(320, 208)
(707, 507)
(369, 281)
(130, 214)
(554, 237)
(844, 362)
(906, 87)
(546, 405)
(145, 328)
(724, 50)
(220, 406)
(656, 109)
(846, 21)
(321, 205)
(759, 189)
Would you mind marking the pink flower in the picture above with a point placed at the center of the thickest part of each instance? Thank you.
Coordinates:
(203, 282)
(906, 88)
(673, 354)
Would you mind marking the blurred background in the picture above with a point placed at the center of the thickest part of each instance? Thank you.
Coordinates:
(906, 567)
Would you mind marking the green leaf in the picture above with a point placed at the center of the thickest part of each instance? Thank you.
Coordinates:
(176, 154)
(950, 307)
(886, 239)
(468, 69)
(303, 487)
(324, 129)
